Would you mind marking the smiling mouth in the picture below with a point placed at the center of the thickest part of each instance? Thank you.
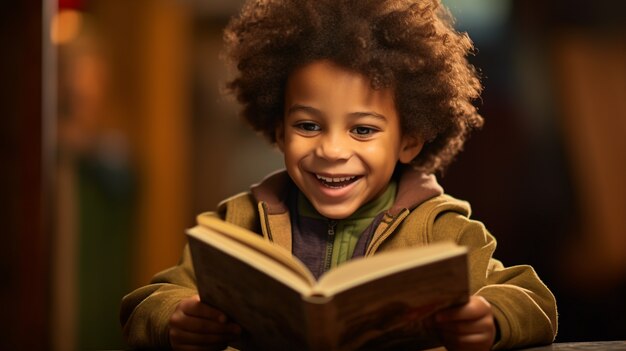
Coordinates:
(336, 182)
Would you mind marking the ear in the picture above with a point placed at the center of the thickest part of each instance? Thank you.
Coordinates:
(410, 147)
(279, 132)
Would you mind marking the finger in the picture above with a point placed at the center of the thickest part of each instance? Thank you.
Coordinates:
(485, 323)
(476, 335)
(201, 325)
(477, 307)
(194, 307)
(477, 326)
(182, 337)
(468, 342)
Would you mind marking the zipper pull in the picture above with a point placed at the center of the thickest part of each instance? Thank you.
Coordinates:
(331, 227)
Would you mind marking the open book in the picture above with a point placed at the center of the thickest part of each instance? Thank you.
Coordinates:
(379, 302)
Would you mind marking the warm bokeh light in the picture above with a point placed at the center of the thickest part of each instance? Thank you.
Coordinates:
(66, 26)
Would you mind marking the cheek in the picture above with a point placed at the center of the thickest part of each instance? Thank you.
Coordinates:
(380, 154)
(295, 149)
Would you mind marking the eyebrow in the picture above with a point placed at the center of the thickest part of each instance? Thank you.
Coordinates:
(368, 114)
(316, 112)
(304, 108)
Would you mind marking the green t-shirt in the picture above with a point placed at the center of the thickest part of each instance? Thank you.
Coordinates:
(349, 230)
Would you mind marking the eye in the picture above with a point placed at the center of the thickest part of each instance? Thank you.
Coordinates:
(308, 126)
(363, 131)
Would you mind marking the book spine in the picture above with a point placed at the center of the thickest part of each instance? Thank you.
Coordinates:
(319, 317)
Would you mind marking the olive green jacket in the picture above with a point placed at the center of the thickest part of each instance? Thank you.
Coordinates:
(524, 308)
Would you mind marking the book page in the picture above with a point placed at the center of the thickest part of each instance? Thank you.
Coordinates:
(255, 242)
(256, 260)
(361, 270)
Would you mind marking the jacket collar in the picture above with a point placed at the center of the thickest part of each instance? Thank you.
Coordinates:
(414, 187)
(273, 191)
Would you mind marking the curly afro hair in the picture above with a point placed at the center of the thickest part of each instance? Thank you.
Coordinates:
(407, 45)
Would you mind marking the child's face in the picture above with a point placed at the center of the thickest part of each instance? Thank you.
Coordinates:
(341, 139)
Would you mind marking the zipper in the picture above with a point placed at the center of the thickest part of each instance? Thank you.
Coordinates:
(330, 241)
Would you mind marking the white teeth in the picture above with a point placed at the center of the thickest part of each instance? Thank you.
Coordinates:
(334, 180)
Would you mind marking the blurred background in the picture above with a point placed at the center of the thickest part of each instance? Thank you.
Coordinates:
(115, 134)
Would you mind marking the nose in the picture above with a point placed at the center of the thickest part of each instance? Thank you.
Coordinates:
(334, 147)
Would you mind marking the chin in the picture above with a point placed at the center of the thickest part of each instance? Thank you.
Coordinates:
(335, 213)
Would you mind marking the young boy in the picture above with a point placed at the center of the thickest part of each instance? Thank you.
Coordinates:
(366, 100)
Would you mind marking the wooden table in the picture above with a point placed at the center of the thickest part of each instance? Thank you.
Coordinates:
(571, 346)
(588, 346)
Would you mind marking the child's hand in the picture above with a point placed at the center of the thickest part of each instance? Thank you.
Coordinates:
(197, 326)
(467, 327)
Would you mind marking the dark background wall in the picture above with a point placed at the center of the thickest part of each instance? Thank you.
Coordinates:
(24, 257)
